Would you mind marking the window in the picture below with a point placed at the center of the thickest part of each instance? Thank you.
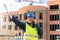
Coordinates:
(10, 27)
(41, 25)
(54, 27)
(54, 7)
(51, 17)
(41, 15)
(25, 16)
(10, 19)
(20, 17)
(54, 17)
(53, 37)
(3, 26)
(58, 37)
(16, 27)
(4, 19)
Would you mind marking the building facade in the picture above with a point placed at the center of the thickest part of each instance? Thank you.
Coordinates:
(53, 20)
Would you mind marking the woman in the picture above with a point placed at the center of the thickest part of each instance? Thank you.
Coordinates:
(31, 30)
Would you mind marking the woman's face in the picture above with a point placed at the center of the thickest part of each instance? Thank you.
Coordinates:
(30, 19)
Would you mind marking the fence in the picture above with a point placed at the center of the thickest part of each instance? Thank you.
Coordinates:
(6, 37)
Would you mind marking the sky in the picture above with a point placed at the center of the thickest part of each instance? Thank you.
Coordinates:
(15, 5)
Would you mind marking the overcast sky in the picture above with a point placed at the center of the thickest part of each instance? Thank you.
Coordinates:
(14, 5)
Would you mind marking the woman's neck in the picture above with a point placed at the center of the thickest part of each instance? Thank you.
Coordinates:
(31, 24)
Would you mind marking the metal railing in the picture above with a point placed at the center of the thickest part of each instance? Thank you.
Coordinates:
(6, 37)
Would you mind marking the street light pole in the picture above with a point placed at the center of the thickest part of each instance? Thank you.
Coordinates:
(6, 8)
